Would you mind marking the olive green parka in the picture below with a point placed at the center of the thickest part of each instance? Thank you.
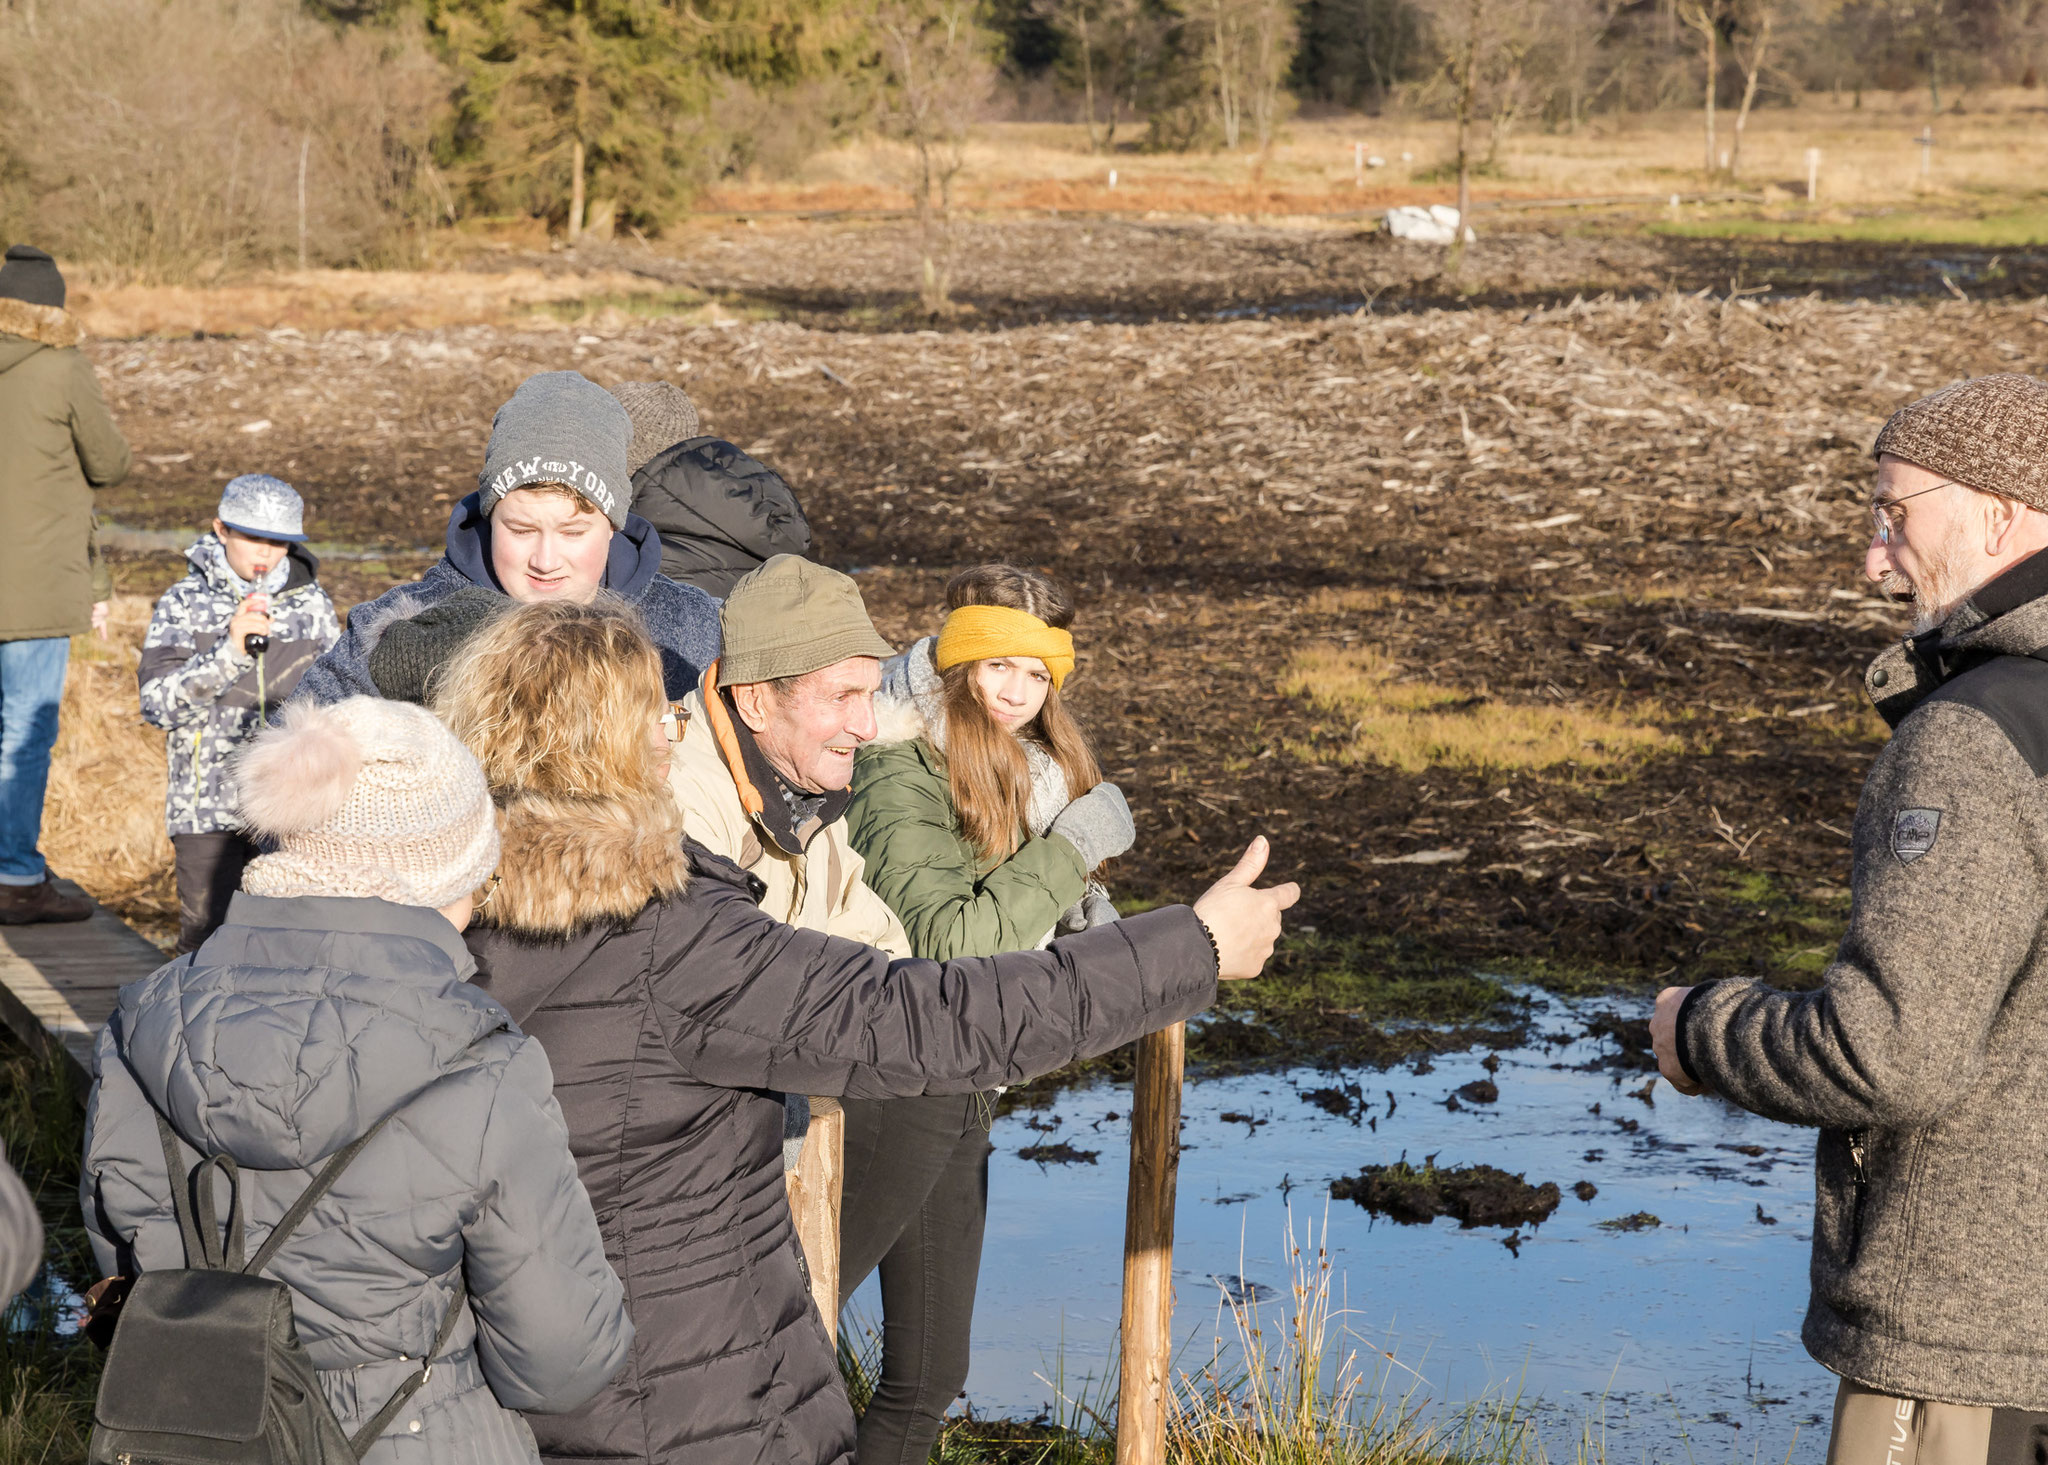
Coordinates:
(58, 443)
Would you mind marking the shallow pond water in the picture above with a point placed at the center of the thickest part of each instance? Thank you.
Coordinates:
(1678, 1341)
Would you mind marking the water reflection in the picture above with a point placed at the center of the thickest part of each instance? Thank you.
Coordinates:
(1678, 1335)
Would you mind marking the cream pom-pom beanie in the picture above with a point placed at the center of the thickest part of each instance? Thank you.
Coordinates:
(365, 797)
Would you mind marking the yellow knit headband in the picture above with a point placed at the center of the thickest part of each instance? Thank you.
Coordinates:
(978, 632)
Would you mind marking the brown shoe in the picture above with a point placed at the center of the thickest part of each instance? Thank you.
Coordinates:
(28, 905)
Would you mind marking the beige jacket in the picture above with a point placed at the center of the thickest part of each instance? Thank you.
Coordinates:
(818, 886)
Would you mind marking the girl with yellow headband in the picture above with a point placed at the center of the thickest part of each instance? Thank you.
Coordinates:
(982, 817)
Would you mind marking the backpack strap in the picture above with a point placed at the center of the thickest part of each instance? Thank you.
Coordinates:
(369, 1434)
(308, 1198)
(181, 1193)
(219, 1258)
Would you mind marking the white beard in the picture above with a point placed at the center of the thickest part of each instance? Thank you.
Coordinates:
(1940, 588)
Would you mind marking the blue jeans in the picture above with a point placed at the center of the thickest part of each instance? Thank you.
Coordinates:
(31, 687)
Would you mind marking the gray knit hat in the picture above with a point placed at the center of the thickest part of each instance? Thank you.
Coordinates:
(790, 618)
(663, 415)
(366, 798)
(1989, 433)
(561, 427)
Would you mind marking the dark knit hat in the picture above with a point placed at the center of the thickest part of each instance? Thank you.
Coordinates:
(663, 415)
(408, 659)
(790, 618)
(31, 275)
(1989, 433)
(560, 427)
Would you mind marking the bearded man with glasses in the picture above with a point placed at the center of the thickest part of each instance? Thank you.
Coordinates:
(1923, 1057)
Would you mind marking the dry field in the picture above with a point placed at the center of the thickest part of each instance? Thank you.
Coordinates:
(1869, 160)
(1532, 634)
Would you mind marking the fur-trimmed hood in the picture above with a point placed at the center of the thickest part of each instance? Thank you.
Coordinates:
(46, 325)
(907, 705)
(572, 864)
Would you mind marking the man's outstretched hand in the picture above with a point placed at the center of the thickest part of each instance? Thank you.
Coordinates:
(1664, 1040)
(1244, 922)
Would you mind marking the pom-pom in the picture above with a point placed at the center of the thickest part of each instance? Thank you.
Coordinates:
(297, 775)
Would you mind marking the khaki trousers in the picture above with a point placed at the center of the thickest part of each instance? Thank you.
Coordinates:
(1876, 1429)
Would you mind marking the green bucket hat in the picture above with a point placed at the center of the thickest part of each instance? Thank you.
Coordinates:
(790, 618)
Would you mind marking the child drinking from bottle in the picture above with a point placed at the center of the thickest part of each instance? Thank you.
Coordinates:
(225, 646)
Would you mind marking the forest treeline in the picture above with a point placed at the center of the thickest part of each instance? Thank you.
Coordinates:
(174, 138)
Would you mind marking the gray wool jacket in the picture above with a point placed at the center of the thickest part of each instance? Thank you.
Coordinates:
(1921, 1056)
(297, 1026)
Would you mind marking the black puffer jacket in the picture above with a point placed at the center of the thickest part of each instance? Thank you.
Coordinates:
(673, 1035)
(719, 512)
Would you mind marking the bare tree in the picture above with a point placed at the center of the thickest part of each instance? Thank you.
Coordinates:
(1482, 42)
(1752, 63)
(1705, 16)
(938, 71)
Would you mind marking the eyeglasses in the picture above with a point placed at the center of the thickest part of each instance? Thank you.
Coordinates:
(1886, 516)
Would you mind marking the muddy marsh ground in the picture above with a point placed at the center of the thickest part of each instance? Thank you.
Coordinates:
(1358, 581)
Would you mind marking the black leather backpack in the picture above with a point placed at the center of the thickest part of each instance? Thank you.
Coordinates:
(206, 1367)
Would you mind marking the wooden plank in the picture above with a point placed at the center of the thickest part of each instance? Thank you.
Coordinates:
(1147, 1346)
(815, 1189)
(59, 980)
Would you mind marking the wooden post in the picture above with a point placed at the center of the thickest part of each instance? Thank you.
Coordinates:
(1148, 1248)
(815, 1186)
(305, 147)
(1812, 174)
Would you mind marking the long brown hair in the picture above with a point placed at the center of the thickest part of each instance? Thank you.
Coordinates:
(986, 768)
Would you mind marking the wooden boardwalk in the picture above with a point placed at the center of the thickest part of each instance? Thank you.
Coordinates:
(57, 981)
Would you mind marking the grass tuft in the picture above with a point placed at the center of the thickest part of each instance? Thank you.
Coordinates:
(1415, 725)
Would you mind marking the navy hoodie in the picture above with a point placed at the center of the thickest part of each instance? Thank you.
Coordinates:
(682, 619)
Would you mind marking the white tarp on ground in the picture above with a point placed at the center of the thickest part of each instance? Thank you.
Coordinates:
(1437, 224)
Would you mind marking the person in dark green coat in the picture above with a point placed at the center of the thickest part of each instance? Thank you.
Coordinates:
(58, 446)
(983, 818)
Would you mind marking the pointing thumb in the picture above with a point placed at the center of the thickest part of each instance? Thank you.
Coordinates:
(1250, 865)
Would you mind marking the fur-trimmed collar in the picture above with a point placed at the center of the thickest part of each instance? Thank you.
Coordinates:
(46, 325)
(568, 865)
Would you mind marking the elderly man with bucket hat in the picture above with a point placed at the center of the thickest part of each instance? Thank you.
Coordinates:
(58, 444)
(1920, 1058)
(226, 645)
(762, 772)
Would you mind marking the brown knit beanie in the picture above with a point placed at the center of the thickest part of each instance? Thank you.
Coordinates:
(663, 415)
(1989, 433)
(366, 798)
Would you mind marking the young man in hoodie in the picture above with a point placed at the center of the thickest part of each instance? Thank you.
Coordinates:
(58, 445)
(226, 644)
(550, 520)
(1919, 1057)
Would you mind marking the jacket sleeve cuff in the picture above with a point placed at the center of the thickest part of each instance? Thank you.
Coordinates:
(1678, 1033)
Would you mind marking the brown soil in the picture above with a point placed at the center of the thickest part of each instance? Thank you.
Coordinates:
(1010, 270)
(1649, 506)
(1477, 1195)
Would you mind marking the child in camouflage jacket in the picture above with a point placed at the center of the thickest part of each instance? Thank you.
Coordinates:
(211, 689)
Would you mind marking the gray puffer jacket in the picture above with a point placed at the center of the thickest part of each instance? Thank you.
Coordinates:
(297, 1026)
(1920, 1057)
(212, 696)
